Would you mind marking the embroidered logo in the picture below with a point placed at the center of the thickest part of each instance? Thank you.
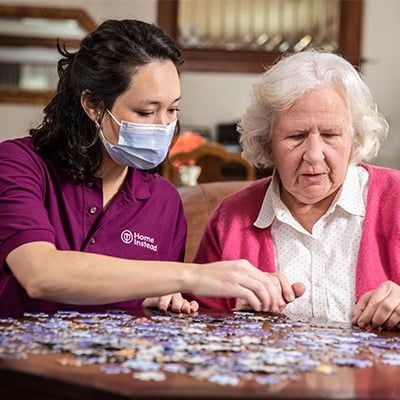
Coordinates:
(126, 236)
(139, 240)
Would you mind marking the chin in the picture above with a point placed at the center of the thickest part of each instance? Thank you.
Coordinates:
(315, 197)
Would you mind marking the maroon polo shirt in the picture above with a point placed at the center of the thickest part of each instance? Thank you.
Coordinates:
(39, 202)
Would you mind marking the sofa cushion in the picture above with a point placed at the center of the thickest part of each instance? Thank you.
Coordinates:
(198, 202)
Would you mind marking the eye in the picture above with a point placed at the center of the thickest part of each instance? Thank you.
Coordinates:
(145, 113)
(174, 110)
(329, 135)
(297, 136)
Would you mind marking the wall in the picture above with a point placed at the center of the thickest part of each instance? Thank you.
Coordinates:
(212, 98)
(382, 53)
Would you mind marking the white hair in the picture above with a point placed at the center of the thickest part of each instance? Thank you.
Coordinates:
(295, 76)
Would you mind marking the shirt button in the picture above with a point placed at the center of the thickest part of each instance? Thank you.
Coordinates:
(92, 209)
(92, 241)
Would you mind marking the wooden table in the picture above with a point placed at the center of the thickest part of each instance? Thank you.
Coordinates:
(40, 377)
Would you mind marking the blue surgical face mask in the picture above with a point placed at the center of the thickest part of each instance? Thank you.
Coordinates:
(142, 146)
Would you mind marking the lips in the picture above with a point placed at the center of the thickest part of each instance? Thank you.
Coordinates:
(313, 173)
(315, 178)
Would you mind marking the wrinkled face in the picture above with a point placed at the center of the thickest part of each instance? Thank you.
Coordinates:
(311, 146)
(152, 98)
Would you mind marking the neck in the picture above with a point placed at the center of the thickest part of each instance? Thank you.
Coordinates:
(113, 176)
(306, 214)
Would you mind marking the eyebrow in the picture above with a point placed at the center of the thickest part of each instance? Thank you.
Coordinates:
(157, 102)
(335, 127)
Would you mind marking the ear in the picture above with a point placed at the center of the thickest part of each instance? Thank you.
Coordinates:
(92, 111)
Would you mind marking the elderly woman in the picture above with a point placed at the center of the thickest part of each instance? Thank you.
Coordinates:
(325, 221)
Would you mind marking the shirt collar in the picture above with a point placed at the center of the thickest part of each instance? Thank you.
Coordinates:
(349, 198)
(269, 205)
(137, 182)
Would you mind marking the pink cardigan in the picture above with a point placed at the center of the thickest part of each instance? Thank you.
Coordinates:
(230, 234)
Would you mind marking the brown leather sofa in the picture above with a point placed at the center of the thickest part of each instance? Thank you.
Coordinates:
(198, 202)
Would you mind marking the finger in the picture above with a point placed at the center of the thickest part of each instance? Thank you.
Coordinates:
(274, 289)
(298, 289)
(150, 302)
(241, 305)
(273, 300)
(256, 302)
(177, 303)
(267, 290)
(262, 291)
(164, 302)
(385, 309)
(366, 316)
(287, 291)
(185, 308)
(394, 319)
(361, 306)
(194, 306)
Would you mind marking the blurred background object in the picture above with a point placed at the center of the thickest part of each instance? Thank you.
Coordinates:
(186, 142)
(247, 35)
(266, 25)
(28, 54)
(228, 136)
(183, 171)
(189, 174)
(216, 163)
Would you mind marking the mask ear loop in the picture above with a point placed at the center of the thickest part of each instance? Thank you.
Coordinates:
(99, 129)
(100, 132)
(112, 116)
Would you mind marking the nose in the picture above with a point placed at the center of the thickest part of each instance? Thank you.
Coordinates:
(163, 119)
(314, 151)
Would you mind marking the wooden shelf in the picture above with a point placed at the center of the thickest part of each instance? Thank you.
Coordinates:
(215, 60)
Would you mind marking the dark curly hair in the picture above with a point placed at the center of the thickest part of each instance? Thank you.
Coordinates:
(103, 67)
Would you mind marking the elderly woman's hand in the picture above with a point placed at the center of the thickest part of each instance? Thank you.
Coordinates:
(281, 294)
(379, 307)
(175, 302)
